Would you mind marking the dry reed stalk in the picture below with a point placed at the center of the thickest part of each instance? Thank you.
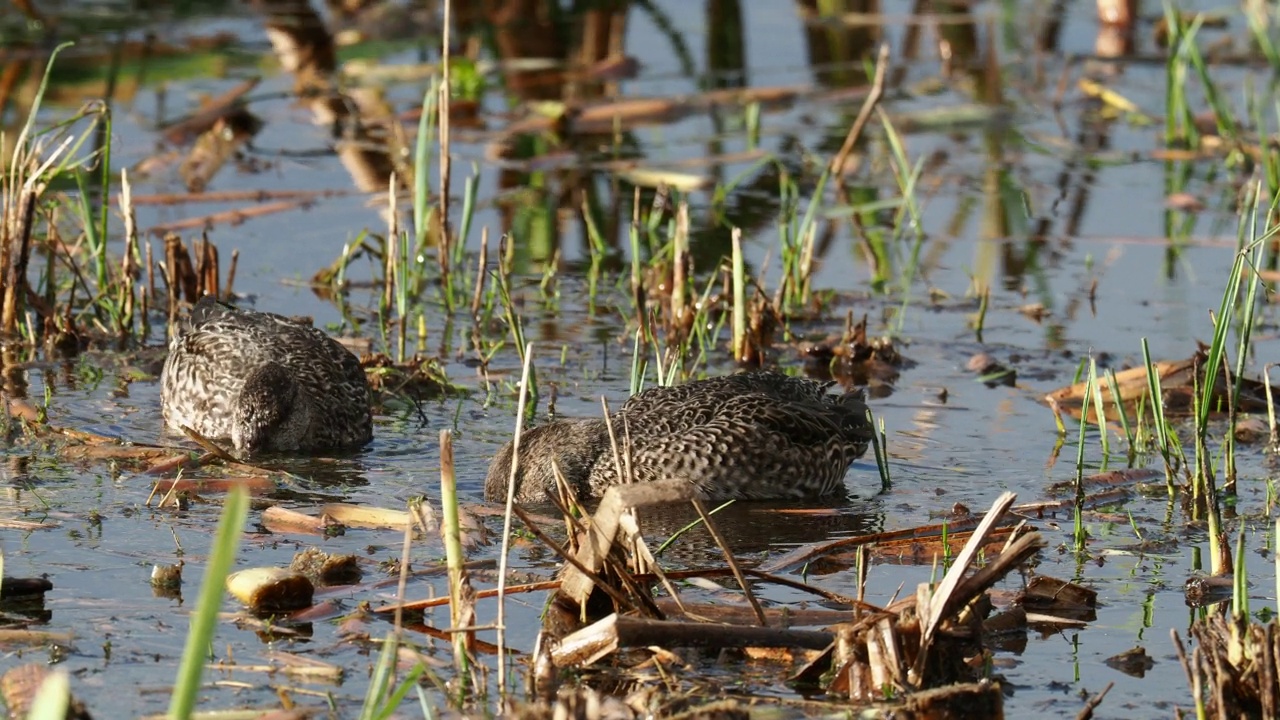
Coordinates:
(637, 280)
(584, 572)
(461, 594)
(403, 580)
(15, 251)
(443, 124)
(679, 255)
(841, 157)
(731, 562)
(390, 250)
(127, 263)
(231, 274)
(739, 298)
(478, 292)
(206, 267)
(1234, 668)
(506, 515)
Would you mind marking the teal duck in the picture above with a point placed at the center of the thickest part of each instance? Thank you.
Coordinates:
(751, 436)
(264, 382)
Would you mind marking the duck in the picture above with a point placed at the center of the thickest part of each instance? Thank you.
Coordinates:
(264, 382)
(760, 435)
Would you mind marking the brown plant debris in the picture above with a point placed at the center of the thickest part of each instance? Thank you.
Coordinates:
(1234, 667)
(167, 576)
(918, 544)
(1067, 601)
(992, 372)
(927, 640)
(1204, 590)
(1135, 662)
(363, 516)
(1179, 380)
(855, 359)
(269, 589)
(282, 520)
(581, 702)
(419, 377)
(210, 113)
(321, 568)
(216, 146)
(12, 587)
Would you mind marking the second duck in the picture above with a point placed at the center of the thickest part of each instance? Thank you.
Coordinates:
(752, 436)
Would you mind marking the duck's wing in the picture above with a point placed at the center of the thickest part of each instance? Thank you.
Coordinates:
(694, 403)
(756, 446)
(202, 376)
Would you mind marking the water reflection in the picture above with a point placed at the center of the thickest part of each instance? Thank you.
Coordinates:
(757, 528)
(362, 124)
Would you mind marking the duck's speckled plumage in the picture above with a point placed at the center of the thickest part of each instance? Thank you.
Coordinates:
(264, 382)
(753, 436)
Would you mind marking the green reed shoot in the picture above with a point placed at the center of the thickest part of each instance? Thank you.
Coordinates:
(404, 261)
(596, 248)
(1099, 408)
(1258, 19)
(423, 144)
(1250, 254)
(380, 700)
(226, 541)
(637, 277)
(639, 363)
(104, 168)
(1161, 427)
(1269, 160)
(469, 191)
(725, 190)
(1078, 521)
(1130, 437)
(797, 242)
(980, 319)
(687, 528)
(751, 120)
(1214, 361)
(1179, 115)
(907, 176)
(880, 445)
(502, 282)
(1222, 113)
(945, 539)
(705, 333)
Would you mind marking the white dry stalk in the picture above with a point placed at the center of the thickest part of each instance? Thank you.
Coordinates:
(506, 517)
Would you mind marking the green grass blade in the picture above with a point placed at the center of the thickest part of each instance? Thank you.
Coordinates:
(225, 544)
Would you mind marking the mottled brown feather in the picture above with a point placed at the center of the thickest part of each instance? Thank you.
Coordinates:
(756, 436)
(222, 347)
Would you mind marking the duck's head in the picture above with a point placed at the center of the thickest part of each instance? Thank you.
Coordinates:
(572, 445)
(270, 413)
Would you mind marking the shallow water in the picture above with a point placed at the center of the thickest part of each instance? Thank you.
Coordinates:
(1103, 218)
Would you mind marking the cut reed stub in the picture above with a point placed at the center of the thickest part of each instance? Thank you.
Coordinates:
(271, 589)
